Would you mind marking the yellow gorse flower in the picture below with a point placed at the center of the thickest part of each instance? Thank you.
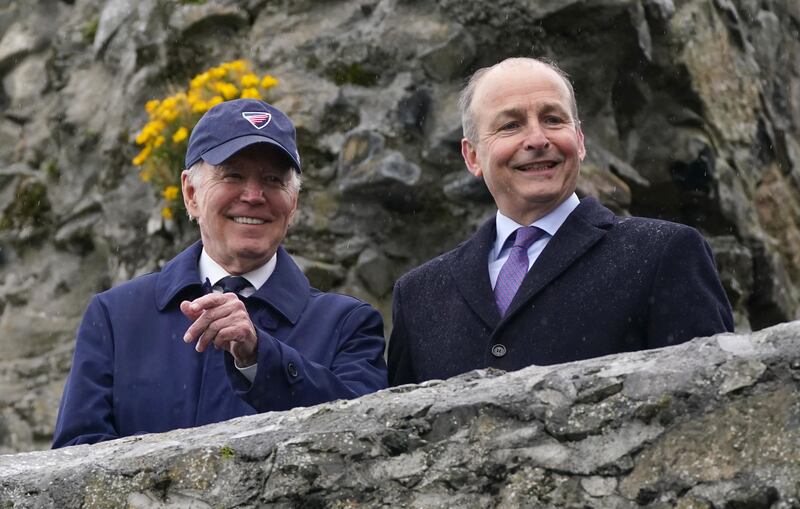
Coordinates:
(228, 90)
(251, 93)
(181, 134)
(268, 82)
(200, 107)
(250, 80)
(171, 193)
(199, 81)
(237, 65)
(165, 136)
(142, 156)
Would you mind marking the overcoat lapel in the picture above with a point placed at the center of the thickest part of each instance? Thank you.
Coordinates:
(584, 227)
(470, 272)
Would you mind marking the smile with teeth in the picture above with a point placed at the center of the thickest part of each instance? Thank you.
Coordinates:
(539, 165)
(248, 220)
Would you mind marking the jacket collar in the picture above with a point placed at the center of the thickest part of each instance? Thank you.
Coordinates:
(179, 277)
(471, 273)
(584, 227)
(287, 290)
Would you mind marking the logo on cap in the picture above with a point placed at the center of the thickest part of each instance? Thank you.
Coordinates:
(258, 119)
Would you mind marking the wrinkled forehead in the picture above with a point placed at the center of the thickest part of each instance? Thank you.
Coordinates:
(517, 79)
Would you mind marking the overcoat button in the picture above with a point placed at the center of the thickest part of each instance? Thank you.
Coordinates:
(291, 369)
(498, 350)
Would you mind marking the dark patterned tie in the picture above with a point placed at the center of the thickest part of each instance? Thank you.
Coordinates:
(515, 268)
(233, 284)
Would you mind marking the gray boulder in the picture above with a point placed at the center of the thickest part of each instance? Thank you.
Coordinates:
(709, 423)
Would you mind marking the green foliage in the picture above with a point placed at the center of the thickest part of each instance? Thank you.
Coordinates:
(29, 207)
(51, 170)
(354, 74)
(227, 452)
(90, 29)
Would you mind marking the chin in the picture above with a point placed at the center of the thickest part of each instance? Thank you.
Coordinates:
(542, 196)
(254, 254)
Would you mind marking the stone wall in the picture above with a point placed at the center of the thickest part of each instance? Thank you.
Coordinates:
(714, 423)
(691, 111)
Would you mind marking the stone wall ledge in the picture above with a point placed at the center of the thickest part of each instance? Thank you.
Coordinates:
(711, 423)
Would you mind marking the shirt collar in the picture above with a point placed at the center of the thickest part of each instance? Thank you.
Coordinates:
(550, 222)
(211, 270)
(287, 290)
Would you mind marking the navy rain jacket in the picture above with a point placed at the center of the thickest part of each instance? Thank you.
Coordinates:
(132, 373)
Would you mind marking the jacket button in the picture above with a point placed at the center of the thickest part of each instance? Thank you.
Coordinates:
(291, 369)
(498, 350)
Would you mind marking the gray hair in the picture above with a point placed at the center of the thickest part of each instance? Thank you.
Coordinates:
(468, 92)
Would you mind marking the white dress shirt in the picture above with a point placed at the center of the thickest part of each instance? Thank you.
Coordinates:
(550, 223)
(213, 272)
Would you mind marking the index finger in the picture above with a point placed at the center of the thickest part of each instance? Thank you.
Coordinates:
(208, 301)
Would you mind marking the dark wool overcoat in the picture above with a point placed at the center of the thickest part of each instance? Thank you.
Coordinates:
(603, 284)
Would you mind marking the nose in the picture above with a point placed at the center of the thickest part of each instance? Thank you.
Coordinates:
(536, 138)
(252, 191)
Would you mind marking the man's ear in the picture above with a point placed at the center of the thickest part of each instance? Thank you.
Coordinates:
(581, 147)
(189, 194)
(294, 209)
(470, 156)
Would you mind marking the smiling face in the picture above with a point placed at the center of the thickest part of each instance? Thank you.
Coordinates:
(243, 207)
(528, 148)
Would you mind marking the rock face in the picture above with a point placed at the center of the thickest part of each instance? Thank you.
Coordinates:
(710, 423)
(691, 112)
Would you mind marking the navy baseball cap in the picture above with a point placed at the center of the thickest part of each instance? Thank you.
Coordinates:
(231, 126)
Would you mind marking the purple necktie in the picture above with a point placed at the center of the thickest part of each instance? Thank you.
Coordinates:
(515, 268)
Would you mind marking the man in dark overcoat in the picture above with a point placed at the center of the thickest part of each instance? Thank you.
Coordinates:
(550, 278)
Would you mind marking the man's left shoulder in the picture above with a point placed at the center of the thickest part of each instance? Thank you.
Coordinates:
(639, 236)
(334, 301)
(592, 212)
(648, 228)
(654, 239)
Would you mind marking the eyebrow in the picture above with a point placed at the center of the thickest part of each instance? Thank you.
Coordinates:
(558, 108)
(503, 115)
(515, 112)
(510, 112)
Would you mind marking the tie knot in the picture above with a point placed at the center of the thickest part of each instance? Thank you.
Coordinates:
(526, 236)
(233, 284)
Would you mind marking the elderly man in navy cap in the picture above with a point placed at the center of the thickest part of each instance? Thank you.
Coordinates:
(230, 326)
